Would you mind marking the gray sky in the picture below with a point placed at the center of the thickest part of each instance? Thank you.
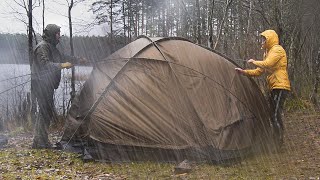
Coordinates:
(56, 13)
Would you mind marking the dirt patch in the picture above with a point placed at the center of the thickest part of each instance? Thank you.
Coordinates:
(303, 142)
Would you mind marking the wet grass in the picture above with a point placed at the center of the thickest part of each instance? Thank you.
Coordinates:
(298, 159)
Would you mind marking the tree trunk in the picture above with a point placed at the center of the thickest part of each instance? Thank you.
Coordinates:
(210, 25)
(33, 107)
(246, 52)
(163, 26)
(30, 33)
(111, 21)
(222, 22)
(198, 22)
(43, 8)
(124, 21)
(130, 14)
(73, 89)
(142, 17)
(314, 94)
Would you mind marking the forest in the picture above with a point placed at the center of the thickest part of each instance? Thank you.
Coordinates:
(231, 27)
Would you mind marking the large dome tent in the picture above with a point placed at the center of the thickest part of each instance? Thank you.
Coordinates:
(168, 99)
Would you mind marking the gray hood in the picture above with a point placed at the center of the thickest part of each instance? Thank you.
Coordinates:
(50, 32)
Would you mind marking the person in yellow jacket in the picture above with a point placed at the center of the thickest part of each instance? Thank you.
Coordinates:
(274, 64)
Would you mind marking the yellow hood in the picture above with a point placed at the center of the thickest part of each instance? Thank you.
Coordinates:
(274, 63)
(271, 38)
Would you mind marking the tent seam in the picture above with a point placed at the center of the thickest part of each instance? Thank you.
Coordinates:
(169, 63)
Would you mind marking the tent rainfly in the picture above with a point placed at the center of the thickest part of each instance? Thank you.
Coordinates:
(167, 99)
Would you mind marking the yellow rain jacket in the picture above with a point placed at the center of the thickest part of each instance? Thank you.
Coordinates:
(274, 63)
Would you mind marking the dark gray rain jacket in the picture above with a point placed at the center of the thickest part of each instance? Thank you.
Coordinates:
(46, 66)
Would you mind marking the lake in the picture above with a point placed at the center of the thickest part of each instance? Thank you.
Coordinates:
(16, 77)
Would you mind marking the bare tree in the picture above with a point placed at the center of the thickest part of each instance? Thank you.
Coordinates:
(43, 9)
(30, 32)
(209, 21)
(314, 94)
(228, 3)
(198, 27)
(73, 89)
(71, 4)
(26, 17)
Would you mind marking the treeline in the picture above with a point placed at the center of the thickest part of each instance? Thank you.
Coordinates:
(14, 47)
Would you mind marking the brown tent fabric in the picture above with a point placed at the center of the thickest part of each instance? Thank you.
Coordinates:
(169, 94)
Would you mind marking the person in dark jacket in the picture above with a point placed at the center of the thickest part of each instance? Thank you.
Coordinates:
(46, 75)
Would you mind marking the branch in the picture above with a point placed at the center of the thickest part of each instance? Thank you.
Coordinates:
(15, 13)
(77, 2)
(304, 39)
(260, 12)
(20, 18)
(24, 6)
(35, 6)
(62, 4)
(57, 13)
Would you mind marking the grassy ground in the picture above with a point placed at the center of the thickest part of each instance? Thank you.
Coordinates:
(299, 159)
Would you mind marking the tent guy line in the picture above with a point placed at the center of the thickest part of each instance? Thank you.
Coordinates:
(14, 77)
(14, 87)
(42, 74)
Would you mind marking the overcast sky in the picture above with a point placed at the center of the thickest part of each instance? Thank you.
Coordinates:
(56, 13)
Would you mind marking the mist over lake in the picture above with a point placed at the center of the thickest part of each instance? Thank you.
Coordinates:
(16, 77)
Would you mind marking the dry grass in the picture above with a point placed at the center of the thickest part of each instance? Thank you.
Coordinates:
(299, 159)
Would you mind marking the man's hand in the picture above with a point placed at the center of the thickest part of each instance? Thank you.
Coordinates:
(250, 61)
(66, 65)
(240, 71)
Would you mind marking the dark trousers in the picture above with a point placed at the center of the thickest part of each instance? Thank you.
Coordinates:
(276, 100)
(44, 95)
